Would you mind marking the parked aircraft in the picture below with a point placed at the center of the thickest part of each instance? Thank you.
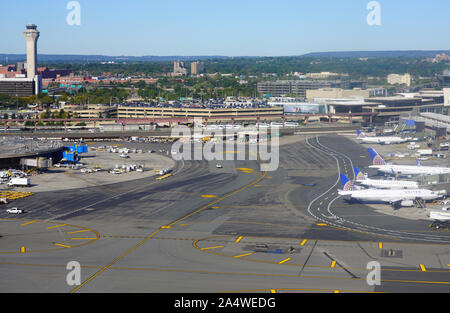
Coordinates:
(383, 183)
(381, 140)
(382, 166)
(397, 198)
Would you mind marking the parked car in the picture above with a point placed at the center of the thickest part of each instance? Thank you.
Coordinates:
(14, 211)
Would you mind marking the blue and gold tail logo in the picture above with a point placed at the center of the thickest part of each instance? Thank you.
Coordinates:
(347, 185)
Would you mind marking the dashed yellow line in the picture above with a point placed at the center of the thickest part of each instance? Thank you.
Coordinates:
(380, 245)
(216, 247)
(58, 244)
(239, 239)
(284, 261)
(303, 242)
(50, 227)
(273, 291)
(422, 268)
(27, 223)
(333, 264)
(238, 256)
(78, 231)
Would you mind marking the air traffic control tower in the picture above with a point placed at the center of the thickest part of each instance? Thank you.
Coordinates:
(31, 36)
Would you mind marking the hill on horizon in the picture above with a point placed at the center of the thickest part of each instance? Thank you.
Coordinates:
(68, 58)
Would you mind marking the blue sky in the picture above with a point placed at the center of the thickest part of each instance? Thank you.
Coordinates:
(231, 27)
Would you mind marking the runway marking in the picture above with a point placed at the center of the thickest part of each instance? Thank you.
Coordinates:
(238, 256)
(303, 242)
(422, 268)
(336, 291)
(165, 227)
(173, 223)
(216, 247)
(333, 264)
(78, 231)
(284, 261)
(50, 227)
(22, 249)
(233, 273)
(27, 223)
(208, 196)
(58, 244)
(321, 224)
(380, 245)
(239, 239)
(273, 291)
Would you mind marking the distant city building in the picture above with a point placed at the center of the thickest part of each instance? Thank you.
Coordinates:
(299, 87)
(179, 68)
(20, 86)
(444, 79)
(396, 79)
(197, 68)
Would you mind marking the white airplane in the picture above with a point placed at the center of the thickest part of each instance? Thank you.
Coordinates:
(382, 166)
(397, 198)
(441, 215)
(381, 140)
(383, 183)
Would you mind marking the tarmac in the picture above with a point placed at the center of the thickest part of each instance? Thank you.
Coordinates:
(232, 229)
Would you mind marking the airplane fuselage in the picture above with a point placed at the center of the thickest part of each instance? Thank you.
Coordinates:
(411, 169)
(388, 184)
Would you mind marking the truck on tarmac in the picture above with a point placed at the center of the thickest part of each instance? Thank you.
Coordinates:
(19, 182)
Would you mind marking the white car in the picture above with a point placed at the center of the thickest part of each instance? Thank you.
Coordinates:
(14, 211)
(219, 165)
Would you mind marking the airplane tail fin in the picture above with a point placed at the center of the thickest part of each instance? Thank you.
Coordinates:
(418, 163)
(347, 184)
(376, 158)
(359, 134)
(358, 174)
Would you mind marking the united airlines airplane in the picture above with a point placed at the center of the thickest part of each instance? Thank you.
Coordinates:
(383, 184)
(381, 140)
(397, 198)
(382, 166)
